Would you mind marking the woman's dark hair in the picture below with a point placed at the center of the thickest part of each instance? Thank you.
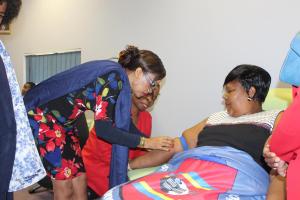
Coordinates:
(251, 76)
(12, 10)
(32, 84)
(131, 58)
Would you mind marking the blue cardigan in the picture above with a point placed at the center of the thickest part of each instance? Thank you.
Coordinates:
(76, 78)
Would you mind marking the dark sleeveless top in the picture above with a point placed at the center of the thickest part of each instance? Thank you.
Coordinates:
(247, 133)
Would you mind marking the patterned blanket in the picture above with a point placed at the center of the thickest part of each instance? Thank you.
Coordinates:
(213, 173)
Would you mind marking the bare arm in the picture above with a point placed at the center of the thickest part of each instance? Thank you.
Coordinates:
(191, 134)
(157, 157)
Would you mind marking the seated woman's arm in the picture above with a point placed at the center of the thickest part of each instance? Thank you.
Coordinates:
(157, 157)
(191, 134)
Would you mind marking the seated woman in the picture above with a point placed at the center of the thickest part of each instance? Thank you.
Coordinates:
(224, 160)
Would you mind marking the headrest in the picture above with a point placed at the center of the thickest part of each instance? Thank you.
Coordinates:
(290, 70)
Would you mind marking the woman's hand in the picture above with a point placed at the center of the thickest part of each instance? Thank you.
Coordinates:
(161, 143)
(274, 161)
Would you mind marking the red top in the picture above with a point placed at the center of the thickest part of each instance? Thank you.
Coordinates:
(97, 153)
(285, 142)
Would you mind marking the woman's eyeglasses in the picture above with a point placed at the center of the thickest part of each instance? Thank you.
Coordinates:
(152, 83)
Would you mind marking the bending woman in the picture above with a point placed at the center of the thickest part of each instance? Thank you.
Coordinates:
(222, 157)
(96, 153)
(105, 88)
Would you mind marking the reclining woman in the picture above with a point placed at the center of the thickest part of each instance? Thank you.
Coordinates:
(224, 160)
(104, 87)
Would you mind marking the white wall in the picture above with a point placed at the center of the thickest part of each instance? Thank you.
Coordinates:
(199, 41)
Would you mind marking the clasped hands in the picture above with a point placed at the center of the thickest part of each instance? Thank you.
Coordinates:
(274, 161)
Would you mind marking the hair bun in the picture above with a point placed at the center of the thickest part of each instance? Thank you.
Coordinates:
(128, 55)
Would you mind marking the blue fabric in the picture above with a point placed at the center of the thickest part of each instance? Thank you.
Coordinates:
(290, 70)
(8, 131)
(27, 168)
(54, 157)
(76, 78)
(6, 196)
(249, 181)
(183, 143)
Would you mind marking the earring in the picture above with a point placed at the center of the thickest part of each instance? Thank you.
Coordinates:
(249, 99)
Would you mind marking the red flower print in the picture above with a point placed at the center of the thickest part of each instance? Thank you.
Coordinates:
(74, 139)
(43, 128)
(69, 170)
(75, 146)
(50, 146)
(42, 151)
(59, 135)
(75, 112)
(50, 134)
(50, 118)
(80, 103)
(100, 108)
(39, 116)
(70, 132)
(77, 150)
(41, 136)
(56, 135)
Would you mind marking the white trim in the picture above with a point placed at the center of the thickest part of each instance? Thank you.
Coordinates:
(51, 53)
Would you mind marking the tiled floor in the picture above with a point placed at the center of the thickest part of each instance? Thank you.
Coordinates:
(40, 194)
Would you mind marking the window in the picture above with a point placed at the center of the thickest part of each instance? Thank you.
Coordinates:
(41, 67)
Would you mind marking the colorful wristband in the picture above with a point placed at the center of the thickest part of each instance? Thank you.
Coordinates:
(184, 145)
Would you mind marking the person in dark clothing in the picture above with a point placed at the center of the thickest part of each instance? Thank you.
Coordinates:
(20, 166)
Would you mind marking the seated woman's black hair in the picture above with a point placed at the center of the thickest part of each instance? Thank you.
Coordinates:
(251, 76)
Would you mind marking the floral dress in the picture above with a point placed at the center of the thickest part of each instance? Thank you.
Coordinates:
(53, 124)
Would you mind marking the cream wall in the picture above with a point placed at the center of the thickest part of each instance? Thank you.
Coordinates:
(199, 41)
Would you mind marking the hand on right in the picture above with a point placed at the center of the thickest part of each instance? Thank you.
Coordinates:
(274, 161)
